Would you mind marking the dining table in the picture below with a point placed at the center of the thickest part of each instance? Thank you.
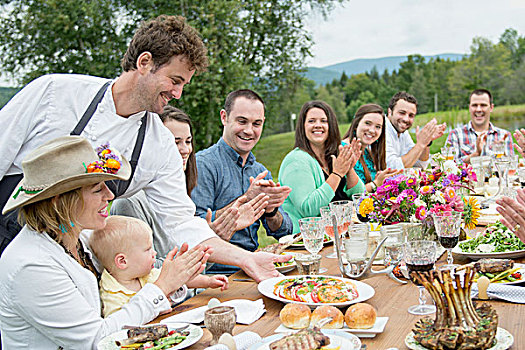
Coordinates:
(391, 299)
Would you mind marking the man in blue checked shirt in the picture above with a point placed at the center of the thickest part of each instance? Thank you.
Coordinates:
(478, 136)
(229, 176)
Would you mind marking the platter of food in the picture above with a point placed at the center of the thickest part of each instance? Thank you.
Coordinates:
(504, 340)
(502, 271)
(288, 265)
(497, 241)
(172, 335)
(309, 339)
(316, 290)
(297, 242)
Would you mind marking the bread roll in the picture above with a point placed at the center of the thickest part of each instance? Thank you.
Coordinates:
(324, 311)
(295, 316)
(360, 316)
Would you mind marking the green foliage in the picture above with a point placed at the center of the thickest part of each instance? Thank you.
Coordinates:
(252, 44)
(6, 94)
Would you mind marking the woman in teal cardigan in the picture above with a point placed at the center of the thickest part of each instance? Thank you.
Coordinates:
(368, 126)
(319, 170)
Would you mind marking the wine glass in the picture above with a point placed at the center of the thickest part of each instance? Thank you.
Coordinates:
(420, 256)
(343, 215)
(312, 232)
(326, 214)
(448, 226)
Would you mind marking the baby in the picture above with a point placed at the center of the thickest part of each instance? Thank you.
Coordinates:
(125, 249)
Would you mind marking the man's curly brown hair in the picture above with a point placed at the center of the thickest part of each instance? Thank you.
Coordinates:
(165, 37)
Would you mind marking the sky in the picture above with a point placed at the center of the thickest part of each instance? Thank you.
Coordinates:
(380, 28)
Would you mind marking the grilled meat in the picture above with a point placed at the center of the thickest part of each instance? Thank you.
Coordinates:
(493, 265)
(144, 334)
(306, 339)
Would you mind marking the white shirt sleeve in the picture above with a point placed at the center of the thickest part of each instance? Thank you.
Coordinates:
(393, 152)
(19, 120)
(168, 198)
(42, 294)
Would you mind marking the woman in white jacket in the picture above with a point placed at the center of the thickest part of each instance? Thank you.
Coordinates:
(49, 295)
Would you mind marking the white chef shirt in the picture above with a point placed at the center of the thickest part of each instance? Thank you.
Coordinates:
(397, 146)
(48, 300)
(50, 107)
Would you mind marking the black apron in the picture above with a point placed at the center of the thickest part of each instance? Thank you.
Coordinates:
(9, 226)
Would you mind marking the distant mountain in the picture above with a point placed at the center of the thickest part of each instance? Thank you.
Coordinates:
(327, 74)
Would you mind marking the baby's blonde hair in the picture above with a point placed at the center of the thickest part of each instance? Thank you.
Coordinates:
(118, 236)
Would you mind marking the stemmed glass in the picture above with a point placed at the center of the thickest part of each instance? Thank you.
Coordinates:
(448, 227)
(312, 232)
(343, 215)
(420, 256)
(356, 199)
(393, 244)
(326, 214)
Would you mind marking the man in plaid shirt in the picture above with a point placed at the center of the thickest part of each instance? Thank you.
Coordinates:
(478, 136)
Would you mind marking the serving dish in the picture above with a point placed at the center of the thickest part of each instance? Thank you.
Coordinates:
(108, 342)
(504, 340)
(346, 341)
(364, 291)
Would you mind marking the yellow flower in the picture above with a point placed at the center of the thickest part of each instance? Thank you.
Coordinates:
(366, 207)
(471, 212)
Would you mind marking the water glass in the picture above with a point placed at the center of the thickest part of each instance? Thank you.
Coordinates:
(420, 256)
(448, 227)
(356, 245)
(343, 214)
(393, 245)
(498, 149)
(447, 152)
(356, 200)
(312, 231)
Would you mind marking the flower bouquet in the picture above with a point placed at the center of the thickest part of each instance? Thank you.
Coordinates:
(411, 198)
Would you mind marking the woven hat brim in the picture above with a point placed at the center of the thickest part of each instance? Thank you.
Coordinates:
(64, 185)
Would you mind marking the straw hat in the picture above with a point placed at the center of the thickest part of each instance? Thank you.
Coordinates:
(61, 165)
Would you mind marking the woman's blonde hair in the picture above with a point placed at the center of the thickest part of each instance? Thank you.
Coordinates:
(56, 215)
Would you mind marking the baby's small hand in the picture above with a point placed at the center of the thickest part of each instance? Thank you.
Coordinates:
(217, 281)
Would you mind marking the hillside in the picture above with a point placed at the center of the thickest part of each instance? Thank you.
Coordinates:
(271, 150)
(326, 74)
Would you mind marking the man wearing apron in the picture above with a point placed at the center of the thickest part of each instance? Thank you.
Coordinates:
(155, 70)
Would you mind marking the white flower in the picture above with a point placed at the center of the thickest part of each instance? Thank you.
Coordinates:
(450, 166)
(438, 197)
(418, 203)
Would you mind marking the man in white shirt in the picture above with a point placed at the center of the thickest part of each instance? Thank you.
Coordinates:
(401, 151)
(160, 60)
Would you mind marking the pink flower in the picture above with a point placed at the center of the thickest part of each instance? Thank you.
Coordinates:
(439, 208)
(411, 182)
(449, 194)
(421, 213)
(385, 211)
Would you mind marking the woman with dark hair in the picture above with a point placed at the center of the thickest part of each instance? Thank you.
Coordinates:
(319, 170)
(368, 127)
(180, 126)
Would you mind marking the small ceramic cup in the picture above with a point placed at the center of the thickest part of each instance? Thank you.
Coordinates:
(219, 320)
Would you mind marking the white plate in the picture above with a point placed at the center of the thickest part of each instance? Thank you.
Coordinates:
(504, 340)
(377, 328)
(521, 270)
(476, 256)
(346, 341)
(285, 239)
(364, 291)
(108, 343)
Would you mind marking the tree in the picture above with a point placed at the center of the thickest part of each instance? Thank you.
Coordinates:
(252, 44)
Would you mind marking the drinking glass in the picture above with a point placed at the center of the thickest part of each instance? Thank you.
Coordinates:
(312, 232)
(356, 245)
(343, 214)
(420, 256)
(448, 226)
(356, 200)
(498, 149)
(326, 214)
(447, 152)
(393, 245)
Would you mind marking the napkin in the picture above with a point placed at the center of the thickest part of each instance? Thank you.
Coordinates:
(514, 294)
(243, 341)
(247, 311)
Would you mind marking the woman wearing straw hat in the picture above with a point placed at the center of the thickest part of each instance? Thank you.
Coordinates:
(48, 286)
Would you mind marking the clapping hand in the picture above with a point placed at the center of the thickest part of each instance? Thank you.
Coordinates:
(513, 212)
(520, 141)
